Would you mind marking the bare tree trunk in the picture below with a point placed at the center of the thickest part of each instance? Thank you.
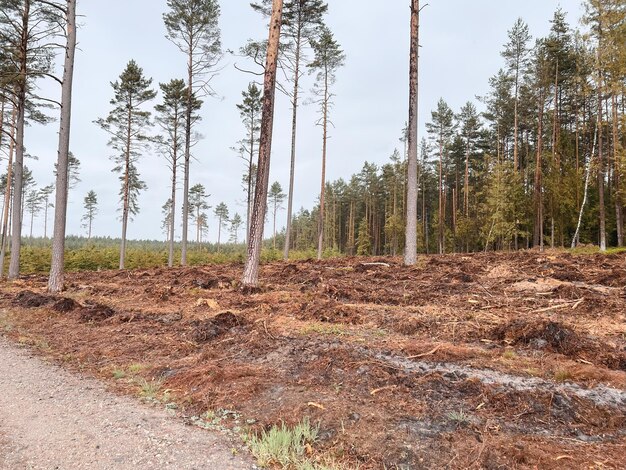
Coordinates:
(441, 228)
(294, 127)
(219, 233)
(20, 96)
(55, 281)
(45, 219)
(619, 210)
(170, 255)
(320, 225)
(7, 193)
(251, 268)
(602, 209)
(188, 123)
(576, 237)
(516, 121)
(538, 199)
(410, 254)
(275, 210)
(466, 195)
(126, 193)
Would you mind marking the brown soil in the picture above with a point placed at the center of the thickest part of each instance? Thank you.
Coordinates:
(486, 361)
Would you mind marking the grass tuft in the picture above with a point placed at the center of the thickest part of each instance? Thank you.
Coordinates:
(285, 446)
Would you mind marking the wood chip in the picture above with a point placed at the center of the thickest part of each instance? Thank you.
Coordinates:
(316, 405)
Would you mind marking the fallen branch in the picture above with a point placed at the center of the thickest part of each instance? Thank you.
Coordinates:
(560, 306)
(381, 389)
(429, 353)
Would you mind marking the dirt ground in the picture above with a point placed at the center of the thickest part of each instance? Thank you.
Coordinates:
(492, 361)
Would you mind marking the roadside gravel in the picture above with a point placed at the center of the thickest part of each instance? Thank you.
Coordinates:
(52, 419)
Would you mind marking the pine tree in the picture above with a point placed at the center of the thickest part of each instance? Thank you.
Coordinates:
(192, 25)
(45, 194)
(221, 212)
(34, 204)
(516, 55)
(250, 112)
(171, 113)
(441, 130)
(28, 30)
(127, 125)
(197, 205)
(410, 252)
(300, 22)
(235, 225)
(276, 198)
(328, 59)
(255, 240)
(55, 281)
(364, 241)
(90, 204)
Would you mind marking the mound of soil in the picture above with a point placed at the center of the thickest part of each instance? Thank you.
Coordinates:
(94, 312)
(207, 330)
(329, 311)
(541, 335)
(29, 299)
(65, 305)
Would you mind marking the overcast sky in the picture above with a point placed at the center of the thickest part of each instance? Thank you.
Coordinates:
(461, 43)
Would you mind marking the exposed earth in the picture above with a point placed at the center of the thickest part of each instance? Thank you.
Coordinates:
(492, 361)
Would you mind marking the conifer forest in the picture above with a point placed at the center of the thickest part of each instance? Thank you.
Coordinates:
(454, 297)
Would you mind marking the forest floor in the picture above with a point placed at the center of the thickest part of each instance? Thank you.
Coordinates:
(507, 360)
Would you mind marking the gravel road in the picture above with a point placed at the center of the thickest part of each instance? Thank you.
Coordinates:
(51, 419)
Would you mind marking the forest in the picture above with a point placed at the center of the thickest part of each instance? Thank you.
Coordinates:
(541, 165)
(460, 306)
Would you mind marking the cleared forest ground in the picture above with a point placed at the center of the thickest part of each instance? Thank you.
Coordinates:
(487, 361)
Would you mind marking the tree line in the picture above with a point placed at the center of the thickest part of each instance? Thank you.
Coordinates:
(542, 164)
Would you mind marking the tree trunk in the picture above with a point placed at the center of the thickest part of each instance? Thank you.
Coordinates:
(410, 254)
(188, 124)
(441, 228)
(126, 192)
(294, 127)
(320, 226)
(251, 268)
(7, 193)
(602, 210)
(170, 255)
(619, 206)
(20, 96)
(516, 121)
(538, 199)
(55, 281)
(219, 233)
